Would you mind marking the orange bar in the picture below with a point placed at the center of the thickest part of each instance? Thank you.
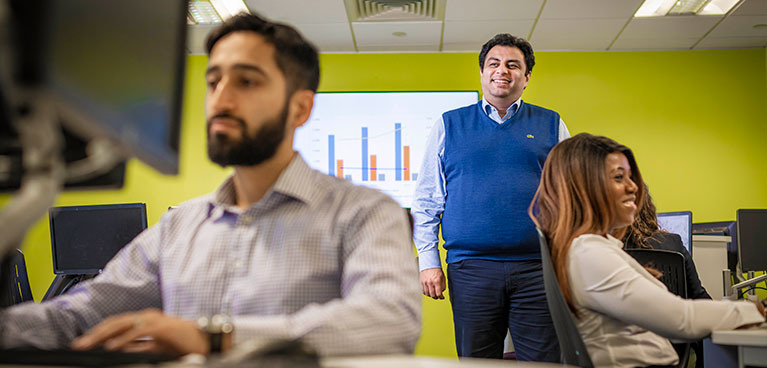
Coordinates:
(373, 168)
(406, 162)
(340, 168)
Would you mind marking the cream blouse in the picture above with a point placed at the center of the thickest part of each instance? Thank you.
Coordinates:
(626, 316)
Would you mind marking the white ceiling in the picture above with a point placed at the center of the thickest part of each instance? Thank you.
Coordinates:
(550, 25)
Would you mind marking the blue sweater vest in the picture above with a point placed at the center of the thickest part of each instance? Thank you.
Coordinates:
(492, 171)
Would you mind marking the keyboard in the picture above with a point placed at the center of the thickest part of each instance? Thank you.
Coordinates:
(77, 358)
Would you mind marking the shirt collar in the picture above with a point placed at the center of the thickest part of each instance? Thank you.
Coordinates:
(490, 109)
(615, 241)
(292, 182)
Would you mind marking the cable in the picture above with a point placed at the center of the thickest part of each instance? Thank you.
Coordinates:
(69, 284)
(743, 293)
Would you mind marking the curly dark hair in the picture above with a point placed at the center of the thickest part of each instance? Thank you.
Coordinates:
(296, 57)
(505, 39)
(645, 224)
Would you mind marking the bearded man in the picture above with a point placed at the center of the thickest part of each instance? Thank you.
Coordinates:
(279, 251)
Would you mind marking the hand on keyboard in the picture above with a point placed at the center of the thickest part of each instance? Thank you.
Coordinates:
(148, 331)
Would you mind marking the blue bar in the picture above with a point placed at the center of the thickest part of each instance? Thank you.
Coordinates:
(331, 155)
(414, 176)
(381, 177)
(397, 151)
(365, 167)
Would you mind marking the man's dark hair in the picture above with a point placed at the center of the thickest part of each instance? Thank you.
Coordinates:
(295, 56)
(505, 39)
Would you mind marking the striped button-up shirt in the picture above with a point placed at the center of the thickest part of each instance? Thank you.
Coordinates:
(317, 258)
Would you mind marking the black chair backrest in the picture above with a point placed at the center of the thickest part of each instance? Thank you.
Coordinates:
(16, 288)
(668, 262)
(671, 265)
(570, 342)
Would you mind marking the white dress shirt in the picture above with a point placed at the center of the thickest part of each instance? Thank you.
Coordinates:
(626, 316)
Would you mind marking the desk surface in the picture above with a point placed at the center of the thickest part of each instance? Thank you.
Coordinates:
(743, 337)
(387, 361)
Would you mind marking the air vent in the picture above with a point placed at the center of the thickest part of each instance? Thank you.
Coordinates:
(395, 10)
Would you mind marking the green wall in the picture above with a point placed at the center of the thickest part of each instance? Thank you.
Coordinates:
(695, 119)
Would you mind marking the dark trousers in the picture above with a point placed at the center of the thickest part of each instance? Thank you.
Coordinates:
(489, 297)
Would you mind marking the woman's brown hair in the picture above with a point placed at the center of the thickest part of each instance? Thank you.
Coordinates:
(572, 198)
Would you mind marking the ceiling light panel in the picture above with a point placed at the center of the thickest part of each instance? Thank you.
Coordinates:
(659, 8)
(202, 12)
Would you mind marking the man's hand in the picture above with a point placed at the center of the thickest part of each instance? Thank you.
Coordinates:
(164, 334)
(433, 283)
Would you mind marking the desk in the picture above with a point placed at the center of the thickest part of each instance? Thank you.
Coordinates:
(737, 348)
(410, 361)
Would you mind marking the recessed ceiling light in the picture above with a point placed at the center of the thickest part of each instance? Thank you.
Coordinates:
(202, 12)
(659, 8)
(399, 34)
(215, 11)
(229, 8)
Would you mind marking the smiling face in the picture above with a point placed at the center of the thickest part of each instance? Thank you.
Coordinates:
(503, 76)
(621, 190)
(246, 104)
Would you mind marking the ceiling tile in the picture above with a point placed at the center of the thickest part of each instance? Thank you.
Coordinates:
(677, 27)
(196, 35)
(479, 32)
(751, 7)
(731, 42)
(575, 34)
(492, 9)
(741, 26)
(399, 48)
(668, 43)
(381, 34)
(462, 46)
(328, 37)
(298, 12)
(569, 9)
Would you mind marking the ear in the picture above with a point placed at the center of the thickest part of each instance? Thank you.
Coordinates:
(527, 79)
(301, 104)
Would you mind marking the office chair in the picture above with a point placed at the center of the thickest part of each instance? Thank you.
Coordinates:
(16, 283)
(570, 342)
(671, 264)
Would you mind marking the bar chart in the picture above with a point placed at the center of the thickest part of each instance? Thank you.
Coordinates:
(375, 139)
(369, 170)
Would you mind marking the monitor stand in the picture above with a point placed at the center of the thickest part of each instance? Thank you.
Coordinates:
(750, 283)
(62, 283)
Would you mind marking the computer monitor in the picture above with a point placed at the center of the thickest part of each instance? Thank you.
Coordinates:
(376, 139)
(108, 69)
(679, 223)
(85, 238)
(116, 69)
(111, 72)
(752, 239)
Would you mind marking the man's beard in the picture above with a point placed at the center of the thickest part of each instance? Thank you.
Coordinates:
(251, 150)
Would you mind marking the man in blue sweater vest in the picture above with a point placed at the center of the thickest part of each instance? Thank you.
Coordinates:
(481, 168)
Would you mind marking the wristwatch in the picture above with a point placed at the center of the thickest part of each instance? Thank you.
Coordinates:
(216, 327)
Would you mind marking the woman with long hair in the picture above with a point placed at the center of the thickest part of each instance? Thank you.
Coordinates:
(589, 191)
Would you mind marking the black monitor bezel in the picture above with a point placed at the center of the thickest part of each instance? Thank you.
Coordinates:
(53, 210)
(689, 224)
(738, 224)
